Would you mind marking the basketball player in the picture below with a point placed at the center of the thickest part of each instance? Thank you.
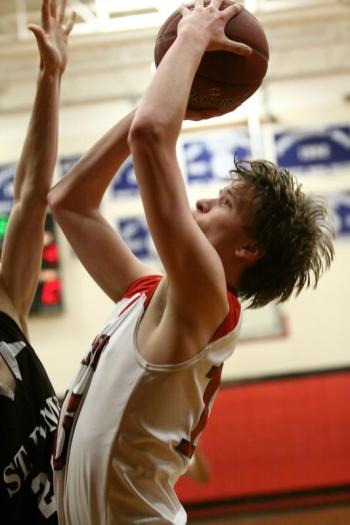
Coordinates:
(28, 405)
(133, 416)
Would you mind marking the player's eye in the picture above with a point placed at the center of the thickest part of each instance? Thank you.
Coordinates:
(228, 203)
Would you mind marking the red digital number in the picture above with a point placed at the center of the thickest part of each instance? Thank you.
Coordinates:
(51, 292)
(50, 253)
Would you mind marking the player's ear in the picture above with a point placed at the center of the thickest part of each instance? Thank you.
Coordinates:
(250, 252)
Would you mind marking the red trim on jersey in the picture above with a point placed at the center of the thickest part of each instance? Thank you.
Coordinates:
(128, 306)
(146, 285)
(149, 283)
(232, 317)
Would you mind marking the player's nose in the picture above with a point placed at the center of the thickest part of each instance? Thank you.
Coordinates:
(204, 205)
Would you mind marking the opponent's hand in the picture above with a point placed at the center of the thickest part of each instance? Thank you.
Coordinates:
(52, 36)
(207, 20)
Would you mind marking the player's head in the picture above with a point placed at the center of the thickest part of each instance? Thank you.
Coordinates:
(291, 229)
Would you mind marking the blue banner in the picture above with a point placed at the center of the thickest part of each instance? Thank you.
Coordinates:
(135, 233)
(313, 149)
(7, 174)
(66, 163)
(124, 183)
(210, 158)
(340, 206)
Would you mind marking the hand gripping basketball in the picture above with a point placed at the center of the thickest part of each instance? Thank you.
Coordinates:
(225, 77)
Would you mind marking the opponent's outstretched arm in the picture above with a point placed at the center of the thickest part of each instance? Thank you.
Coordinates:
(23, 243)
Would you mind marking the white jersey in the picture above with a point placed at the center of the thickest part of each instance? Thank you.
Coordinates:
(127, 428)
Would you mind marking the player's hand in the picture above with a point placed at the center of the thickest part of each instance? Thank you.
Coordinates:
(207, 21)
(52, 36)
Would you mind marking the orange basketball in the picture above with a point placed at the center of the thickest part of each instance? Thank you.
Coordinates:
(223, 80)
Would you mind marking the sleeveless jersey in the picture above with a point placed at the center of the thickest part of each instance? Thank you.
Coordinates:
(29, 417)
(128, 428)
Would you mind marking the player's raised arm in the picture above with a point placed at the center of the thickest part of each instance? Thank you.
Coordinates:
(22, 249)
(196, 274)
(75, 203)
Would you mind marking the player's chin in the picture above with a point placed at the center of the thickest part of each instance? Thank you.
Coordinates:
(196, 214)
(199, 219)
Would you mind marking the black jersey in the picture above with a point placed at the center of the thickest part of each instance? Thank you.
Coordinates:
(28, 419)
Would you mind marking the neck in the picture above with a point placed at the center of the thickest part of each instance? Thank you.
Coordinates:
(233, 273)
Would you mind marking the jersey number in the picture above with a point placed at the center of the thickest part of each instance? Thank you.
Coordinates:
(89, 365)
(187, 447)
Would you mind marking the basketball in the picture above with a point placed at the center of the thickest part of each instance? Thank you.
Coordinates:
(223, 80)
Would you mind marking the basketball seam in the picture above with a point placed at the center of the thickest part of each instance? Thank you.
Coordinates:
(221, 82)
(200, 75)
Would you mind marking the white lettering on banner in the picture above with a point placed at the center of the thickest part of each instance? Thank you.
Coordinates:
(340, 206)
(314, 149)
(314, 152)
(210, 158)
(125, 179)
(6, 182)
(198, 161)
(136, 235)
(341, 137)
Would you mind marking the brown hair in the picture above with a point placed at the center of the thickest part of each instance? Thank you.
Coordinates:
(292, 229)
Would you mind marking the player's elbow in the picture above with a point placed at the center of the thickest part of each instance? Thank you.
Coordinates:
(56, 200)
(32, 196)
(145, 131)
